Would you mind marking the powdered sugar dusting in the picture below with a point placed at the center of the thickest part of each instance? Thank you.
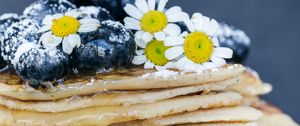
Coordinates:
(229, 31)
(18, 33)
(165, 74)
(25, 47)
(8, 15)
(122, 37)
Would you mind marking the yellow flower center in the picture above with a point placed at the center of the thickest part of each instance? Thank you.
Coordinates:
(155, 52)
(198, 47)
(154, 21)
(65, 26)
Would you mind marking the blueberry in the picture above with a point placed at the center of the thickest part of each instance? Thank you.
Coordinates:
(6, 20)
(40, 66)
(40, 8)
(115, 7)
(96, 12)
(110, 47)
(235, 39)
(23, 31)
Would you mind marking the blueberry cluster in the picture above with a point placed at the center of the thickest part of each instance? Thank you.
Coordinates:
(235, 39)
(110, 47)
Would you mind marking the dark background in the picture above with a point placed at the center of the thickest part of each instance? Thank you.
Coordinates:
(273, 26)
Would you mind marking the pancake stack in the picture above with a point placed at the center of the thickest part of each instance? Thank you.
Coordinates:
(132, 97)
(251, 87)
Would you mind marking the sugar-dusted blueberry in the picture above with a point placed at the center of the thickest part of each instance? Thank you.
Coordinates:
(23, 31)
(115, 7)
(96, 12)
(40, 8)
(41, 67)
(6, 20)
(235, 39)
(110, 47)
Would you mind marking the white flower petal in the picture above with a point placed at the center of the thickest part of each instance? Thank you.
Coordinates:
(89, 21)
(199, 68)
(73, 13)
(206, 24)
(160, 36)
(149, 65)
(197, 20)
(140, 52)
(174, 52)
(45, 28)
(132, 23)
(162, 5)
(44, 35)
(170, 65)
(177, 17)
(190, 25)
(174, 40)
(139, 34)
(147, 37)
(172, 29)
(208, 65)
(140, 43)
(132, 26)
(173, 10)
(88, 28)
(216, 41)
(189, 66)
(48, 20)
(184, 34)
(218, 61)
(142, 5)
(151, 4)
(213, 28)
(131, 20)
(197, 17)
(133, 11)
(181, 62)
(51, 41)
(223, 52)
(74, 40)
(57, 16)
(66, 46)
(160, 68)
(139, 60)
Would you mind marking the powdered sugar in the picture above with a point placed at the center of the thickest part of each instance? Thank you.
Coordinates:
(9, 15)
(122, 37)
(25, 47)
(165, 74)
(18, 33)
(229, 31)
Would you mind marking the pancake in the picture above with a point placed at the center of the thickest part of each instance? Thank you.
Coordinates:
(107, 115)
(133, 79)
(250, 100)
(252, 90)
(250, 84)
(276, 119)
(111, 98)
(232, 114)
(223, 124)
(137, 123)
(273, 116)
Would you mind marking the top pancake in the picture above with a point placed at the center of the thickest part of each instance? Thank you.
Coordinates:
(250, 84)
(133, 79)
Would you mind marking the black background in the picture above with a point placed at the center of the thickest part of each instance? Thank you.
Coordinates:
(273, 26)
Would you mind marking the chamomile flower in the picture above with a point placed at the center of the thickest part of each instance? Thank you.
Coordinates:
(64, 28)
(151, 21)
(198, 49)
(152, 55)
